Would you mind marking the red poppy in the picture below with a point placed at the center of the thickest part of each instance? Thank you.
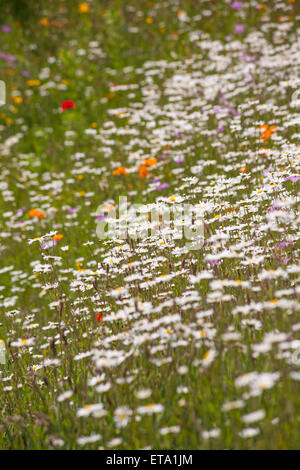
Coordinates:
(69, 104)
(99, 317)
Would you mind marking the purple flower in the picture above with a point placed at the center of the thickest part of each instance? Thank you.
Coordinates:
(178, 135)
(6, 29)
(228, 37)
(21, 211)
(8, 57)
(221, 129)
(239, 29)
(292, 178)
(246, 57)
(162, 186)
(213, 262)
(283, 245)
(101, 217)
(179, 161)
(217, 110)
(267, 170)
(223, 100)
(236, 5)
(273, 207)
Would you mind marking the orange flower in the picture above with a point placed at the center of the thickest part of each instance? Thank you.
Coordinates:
(150, 161)
(120, 171)
(33, 82)
(44, 22)
(143, 172)
(37, 213)
(267, 131)
(57, 237)
(244, 169)
(17, 99)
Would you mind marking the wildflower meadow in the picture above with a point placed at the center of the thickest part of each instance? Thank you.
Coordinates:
(149, 177)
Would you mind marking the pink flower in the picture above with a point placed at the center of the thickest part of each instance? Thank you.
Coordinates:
(236, 5)
(239, 29)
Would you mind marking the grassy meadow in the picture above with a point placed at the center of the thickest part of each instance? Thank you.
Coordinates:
(140, 342)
